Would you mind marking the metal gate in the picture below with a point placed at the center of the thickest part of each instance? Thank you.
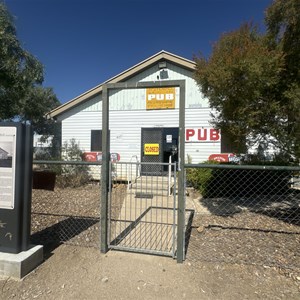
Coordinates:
(142, 212)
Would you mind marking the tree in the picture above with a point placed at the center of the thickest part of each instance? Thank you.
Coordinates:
(21, 76)
(239, 79)
(37, 101)
(252, 82)
(283, 31)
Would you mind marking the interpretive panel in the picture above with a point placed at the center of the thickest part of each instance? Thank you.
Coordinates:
(7, 166)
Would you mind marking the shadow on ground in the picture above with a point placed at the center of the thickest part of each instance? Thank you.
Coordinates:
(63, 231)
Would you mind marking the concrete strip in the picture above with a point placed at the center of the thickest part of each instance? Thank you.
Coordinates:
(19, 265)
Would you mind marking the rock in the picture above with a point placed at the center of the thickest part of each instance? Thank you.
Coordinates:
(104, 279)
(200, 229)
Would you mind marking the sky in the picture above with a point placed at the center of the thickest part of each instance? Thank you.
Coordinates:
(82, 43)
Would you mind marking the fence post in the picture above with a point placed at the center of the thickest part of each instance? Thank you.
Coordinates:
(181, 202)
(104, 171)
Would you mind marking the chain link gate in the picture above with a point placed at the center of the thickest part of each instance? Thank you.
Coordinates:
(142, 210)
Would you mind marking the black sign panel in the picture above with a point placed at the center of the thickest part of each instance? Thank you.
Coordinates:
(15, 186)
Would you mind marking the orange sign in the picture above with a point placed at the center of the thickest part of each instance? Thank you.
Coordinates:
(151, 149)
(160, 98)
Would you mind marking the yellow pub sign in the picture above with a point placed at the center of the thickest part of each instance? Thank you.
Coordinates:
(160, 98)
(151, 149)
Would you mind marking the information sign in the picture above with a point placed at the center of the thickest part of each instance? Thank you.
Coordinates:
(15, 186)
(7, 167)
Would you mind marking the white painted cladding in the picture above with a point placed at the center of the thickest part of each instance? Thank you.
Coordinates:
(128, 115)
(125, 130)
(135, 98)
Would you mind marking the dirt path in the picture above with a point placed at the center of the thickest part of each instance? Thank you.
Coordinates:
(84, 273)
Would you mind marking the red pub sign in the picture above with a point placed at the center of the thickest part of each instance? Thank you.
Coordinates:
(199, 135)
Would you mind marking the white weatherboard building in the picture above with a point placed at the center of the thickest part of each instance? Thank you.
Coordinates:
(143, 122)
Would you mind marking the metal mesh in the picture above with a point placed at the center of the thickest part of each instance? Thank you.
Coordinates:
(247, 216)
(66, 204)
(241, 216)
(142, 210)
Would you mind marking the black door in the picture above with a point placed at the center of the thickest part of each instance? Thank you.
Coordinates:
(157, 145)
(152, 144)
(170, 145)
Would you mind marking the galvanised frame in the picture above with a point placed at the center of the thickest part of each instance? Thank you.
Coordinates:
(106, 157)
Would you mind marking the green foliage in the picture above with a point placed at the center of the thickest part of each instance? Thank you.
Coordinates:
(71, 151)
(72, 175)
(68, 175)
(18, 70)
(218, 183)
(238, 80)
(199, 178)
(21, 76)
(252, 81)
(283, 32)
(36, 103)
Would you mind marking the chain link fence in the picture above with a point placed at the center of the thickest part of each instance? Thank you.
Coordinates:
(66, 203)
(242, 215)
(245, 215)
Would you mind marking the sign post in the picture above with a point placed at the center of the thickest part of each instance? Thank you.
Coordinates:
(15, 186)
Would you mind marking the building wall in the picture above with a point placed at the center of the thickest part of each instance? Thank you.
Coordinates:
(119, 99)
(125, 130)
(128, 115)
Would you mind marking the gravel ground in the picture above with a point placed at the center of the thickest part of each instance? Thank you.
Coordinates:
(243, 256)
(72, 272)
(245, 238)
(72, 215)
(66, 215)
(218, 240)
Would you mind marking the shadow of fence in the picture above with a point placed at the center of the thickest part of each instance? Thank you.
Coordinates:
(74, 230)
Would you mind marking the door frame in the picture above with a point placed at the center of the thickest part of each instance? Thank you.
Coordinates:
(163, 149)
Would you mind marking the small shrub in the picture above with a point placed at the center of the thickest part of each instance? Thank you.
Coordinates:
(72, 175)
(199, 178)
(215, 183)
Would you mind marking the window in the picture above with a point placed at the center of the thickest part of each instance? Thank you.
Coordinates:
(96, 140)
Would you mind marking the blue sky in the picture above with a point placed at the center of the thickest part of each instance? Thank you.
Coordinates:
(82, 43)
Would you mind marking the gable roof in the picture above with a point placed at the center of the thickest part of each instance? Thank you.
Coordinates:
(162, 55)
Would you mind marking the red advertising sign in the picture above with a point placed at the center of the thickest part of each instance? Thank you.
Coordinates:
(97, 156)
(221, 157)
(224, 157)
